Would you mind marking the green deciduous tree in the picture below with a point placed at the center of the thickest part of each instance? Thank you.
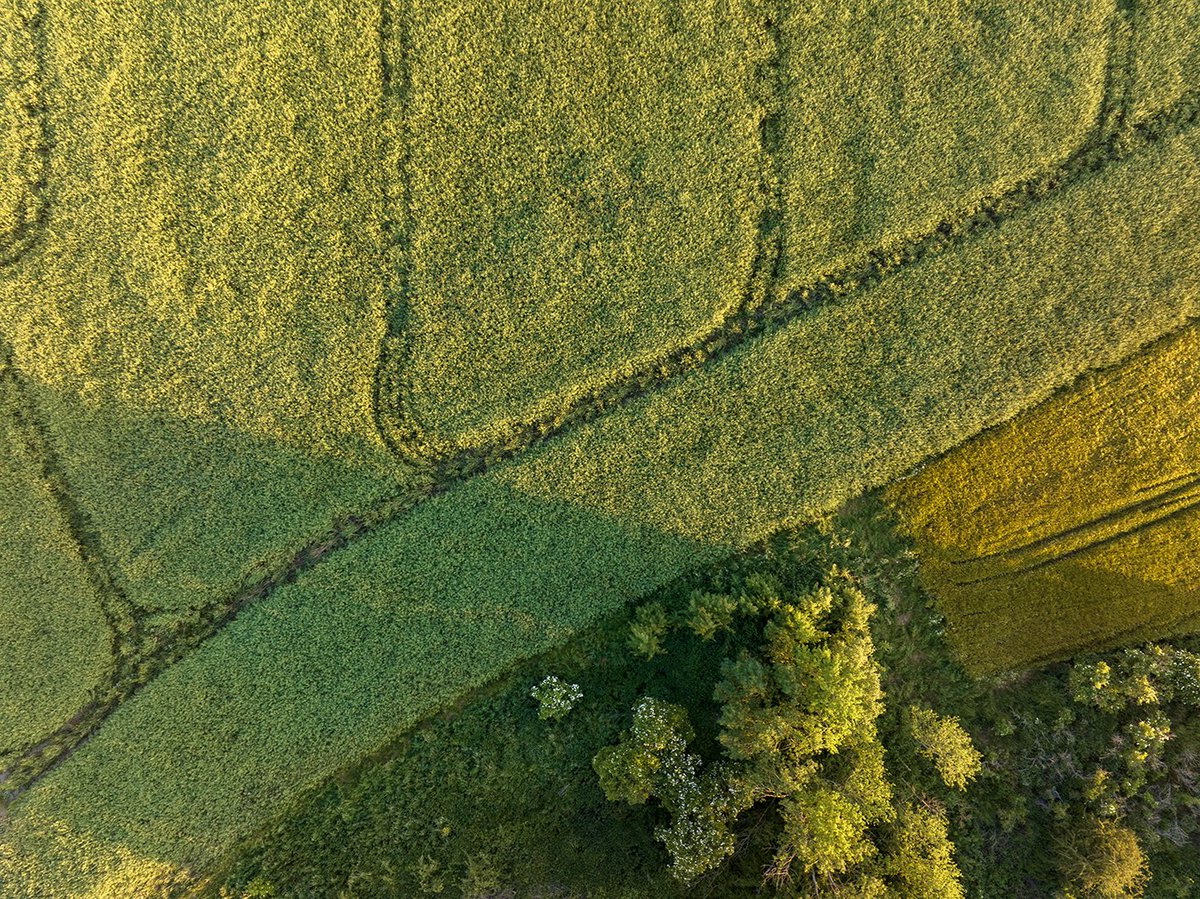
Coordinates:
(797, 725)
(1100, 859)
(943, 741)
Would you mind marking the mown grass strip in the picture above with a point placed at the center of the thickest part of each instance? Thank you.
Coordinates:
(1031, 564)
(500, 566)
(24, 140)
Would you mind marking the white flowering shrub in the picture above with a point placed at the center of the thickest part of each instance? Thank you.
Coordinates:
(555, 697)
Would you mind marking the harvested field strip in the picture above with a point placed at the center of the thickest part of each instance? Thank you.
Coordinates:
(65, 630)
(1032, 565)
(212, 618)
(24, 144)
(781, 429)
(1168, 511)
(569, 229)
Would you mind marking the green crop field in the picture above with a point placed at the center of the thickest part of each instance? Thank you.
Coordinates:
(362, 353)
(1037, 555)
(54, 645)
(22, 135)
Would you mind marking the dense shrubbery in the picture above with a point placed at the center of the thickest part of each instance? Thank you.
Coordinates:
(798, 703)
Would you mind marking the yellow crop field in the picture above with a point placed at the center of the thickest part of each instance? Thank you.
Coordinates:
(1075, 525)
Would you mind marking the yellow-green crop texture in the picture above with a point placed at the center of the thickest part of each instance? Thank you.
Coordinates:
(508, 563)
(54, 640)
(219, 319)
(897, 116)
(202, 312)
(21, 137)
(1165, 51)
(582, 185)
(1075, 525)
(585, 184)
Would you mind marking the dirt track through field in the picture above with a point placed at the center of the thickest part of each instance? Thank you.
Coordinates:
(759, 317)
(1171, 505)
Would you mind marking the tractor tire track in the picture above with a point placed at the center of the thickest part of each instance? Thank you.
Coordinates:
(770, 314)
(35, 155)
(1149, 504)
(121, 618)
(1190, 503)
(397, 421)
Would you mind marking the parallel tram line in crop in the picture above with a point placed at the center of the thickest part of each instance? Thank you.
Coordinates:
(34, 152)
(1113, 115)
(756, 320)
(1130, 520)
(762, 311)
(395, 417)
(124, 625)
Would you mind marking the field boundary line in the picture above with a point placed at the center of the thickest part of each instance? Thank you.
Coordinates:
(398, 422)
(210, 620)
(35, 151)
(120, 616)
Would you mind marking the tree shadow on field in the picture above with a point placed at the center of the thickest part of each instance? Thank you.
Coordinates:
(398, 625)
(1082, 604)
(189, 509)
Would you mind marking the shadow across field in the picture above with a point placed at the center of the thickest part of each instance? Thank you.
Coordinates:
(441, 600)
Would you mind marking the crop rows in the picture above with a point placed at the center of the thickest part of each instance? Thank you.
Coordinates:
(26, 455)
(24, 141)
(648, 480)
(1031, 564)
(495, 567)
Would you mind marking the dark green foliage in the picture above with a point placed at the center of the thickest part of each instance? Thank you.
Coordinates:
(799, 698)
(648, 629)
(496, 789)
